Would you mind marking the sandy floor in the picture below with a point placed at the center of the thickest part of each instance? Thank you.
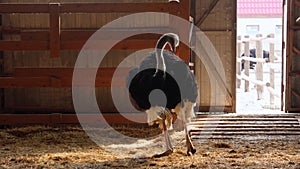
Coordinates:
(70, 147)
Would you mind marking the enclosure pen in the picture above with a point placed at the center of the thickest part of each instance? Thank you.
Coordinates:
(41, 42)
(259, 60)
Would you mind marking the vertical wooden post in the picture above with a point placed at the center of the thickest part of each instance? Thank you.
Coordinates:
(54, 44)
(1, 72)
(259, 67)
(272, 72)
(246, 63)
(182, 9)
(238, 64)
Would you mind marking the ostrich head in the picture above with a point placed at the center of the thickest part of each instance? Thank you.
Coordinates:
(168, 38)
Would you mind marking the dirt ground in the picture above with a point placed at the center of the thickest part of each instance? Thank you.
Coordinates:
(70, 147)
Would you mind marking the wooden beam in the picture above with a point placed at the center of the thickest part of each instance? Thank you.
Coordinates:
(64, 82)
(296, 93)
(54, 29)
(24, 82)
(63, 78)
(77, 45)
(297, 3)
(182, 11)
(87, 7)
(207, 12)
(34, 35)
(113, 34)
(294, 73)
(9, 30)
(296, 50)
(104, 44)
(114, 7)
(215, 108)
(75, 35)
(24, 8)
(23, 45)
(59, 119)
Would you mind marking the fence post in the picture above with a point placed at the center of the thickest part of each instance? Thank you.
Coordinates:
(238, 64)
(246, 63)
(272, 72)
(259, 66)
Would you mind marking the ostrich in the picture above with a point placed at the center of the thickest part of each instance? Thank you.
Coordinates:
(165, 74)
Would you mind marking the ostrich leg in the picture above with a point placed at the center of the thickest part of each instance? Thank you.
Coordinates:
(169, 146)
(190, 147)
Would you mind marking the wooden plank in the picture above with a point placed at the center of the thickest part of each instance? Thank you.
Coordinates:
(297, 94)
(296, 50)
(64, 82)
(104, 44)
(243, 119)
(297, 3)
(23, 45)
(57, 119)
(254, 133)
(246, 122)
(215, 108)
(34, 35)
(238, 64)
(87, 7)
(54, 29)
(116, 34)
(258, 60)
(250, 129)
(77, 45)
(272, 74)
(103, 77)
(244, 126)
(259, 67)
(9, 30)
(184, 51)
(289, 53)
(294, 73)
(114, 7)
(247, 65)
(207, 12)
(24, 82)
(75, 35)
(24, 8)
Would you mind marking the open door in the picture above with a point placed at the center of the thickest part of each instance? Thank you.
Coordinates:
(217, 20)
(292, 87)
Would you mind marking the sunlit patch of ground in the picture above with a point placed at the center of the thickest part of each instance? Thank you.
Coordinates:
(70, 147)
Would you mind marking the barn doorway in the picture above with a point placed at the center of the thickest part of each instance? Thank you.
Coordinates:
(260, 33)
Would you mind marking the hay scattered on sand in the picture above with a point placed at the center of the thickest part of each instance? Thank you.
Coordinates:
(71, 147)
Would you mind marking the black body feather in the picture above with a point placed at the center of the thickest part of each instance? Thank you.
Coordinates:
(143, 79)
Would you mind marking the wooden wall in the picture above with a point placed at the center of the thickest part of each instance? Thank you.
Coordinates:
(58, 99)
(219, 27)
(292, 88)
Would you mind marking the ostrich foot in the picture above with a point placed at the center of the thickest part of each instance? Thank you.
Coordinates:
(166, 153)
(191, 150)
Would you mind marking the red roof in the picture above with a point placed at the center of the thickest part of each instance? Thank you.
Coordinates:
(259, 7)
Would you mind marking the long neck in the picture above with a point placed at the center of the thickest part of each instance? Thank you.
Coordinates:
(160, 61)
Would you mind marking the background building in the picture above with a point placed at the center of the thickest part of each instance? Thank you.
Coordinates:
(260, 17)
